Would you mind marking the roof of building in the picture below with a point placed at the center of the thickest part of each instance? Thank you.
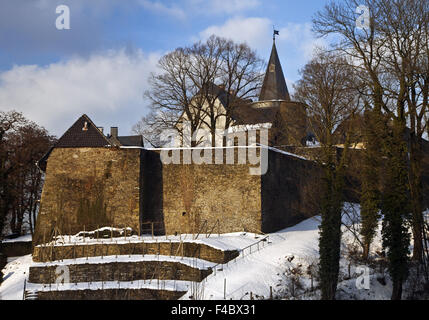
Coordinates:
(245, 114)
(131, 141)
(254, 113)
(85, 134)
(274, 86)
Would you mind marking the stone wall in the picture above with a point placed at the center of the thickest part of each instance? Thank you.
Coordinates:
(89, 188)
(186, 249)
(290, 191)
(121, 271)
(204, 197)
(111, 294)
(16, 249)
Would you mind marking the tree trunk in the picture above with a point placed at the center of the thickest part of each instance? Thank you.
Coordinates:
(415, 177)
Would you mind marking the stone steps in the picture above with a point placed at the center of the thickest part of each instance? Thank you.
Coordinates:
(135, 270)
(107, 269)
(44, 253)
(138, 290)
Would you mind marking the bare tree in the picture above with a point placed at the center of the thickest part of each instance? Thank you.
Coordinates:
(201, 84)
(23, 144)
(327, 89)
(391, 55)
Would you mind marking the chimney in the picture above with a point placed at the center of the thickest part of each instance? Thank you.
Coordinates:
(101, 129)
(114, 131)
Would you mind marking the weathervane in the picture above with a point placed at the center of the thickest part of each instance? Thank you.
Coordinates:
(275, 32)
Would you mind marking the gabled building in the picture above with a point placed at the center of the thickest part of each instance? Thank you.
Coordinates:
(95, 180)
(285, 119)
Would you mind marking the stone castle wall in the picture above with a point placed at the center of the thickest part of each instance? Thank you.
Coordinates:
(87, 188)
(211, 197)
(290, 191)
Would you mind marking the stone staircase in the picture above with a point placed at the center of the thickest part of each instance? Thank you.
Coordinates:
(160, 270)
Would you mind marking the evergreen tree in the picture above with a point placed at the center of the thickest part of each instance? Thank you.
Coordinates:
(326, 90)
(396, 207)
(330, 227)
(370, 194)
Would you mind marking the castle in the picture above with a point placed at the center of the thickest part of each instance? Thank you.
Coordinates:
(94, 179)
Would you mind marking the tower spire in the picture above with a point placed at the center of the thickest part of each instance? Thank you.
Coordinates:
(274, 86)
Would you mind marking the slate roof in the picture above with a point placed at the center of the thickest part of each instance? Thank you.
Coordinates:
(85, 134)
(131, 141)
(274, 86)
(76, 137)
(254, 114)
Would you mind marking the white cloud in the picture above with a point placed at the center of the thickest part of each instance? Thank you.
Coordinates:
(300, 36)
(295, 44)
(109, 85)
(222, 6)
(159, 7)
(254, 31)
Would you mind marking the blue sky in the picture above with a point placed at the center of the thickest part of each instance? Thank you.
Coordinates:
(101, 65)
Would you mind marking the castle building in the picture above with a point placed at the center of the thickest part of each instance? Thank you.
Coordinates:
(285, 120)
(94, 180)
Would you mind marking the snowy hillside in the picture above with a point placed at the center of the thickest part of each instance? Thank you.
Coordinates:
(281, 265)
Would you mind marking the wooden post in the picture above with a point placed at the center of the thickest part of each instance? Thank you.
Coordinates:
(218, 228)
(251, 295)
(152, 230)
(224, 289)
(271, 293)
(23, 292)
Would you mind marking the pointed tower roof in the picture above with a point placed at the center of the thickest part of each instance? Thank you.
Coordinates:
(274, 86)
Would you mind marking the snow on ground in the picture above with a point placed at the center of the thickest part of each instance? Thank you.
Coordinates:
(286, 261)
(192, 262)
(258, 271)
(226, 241)
(16, 271)
(14, 274)
(170, 285)
(24, 238)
